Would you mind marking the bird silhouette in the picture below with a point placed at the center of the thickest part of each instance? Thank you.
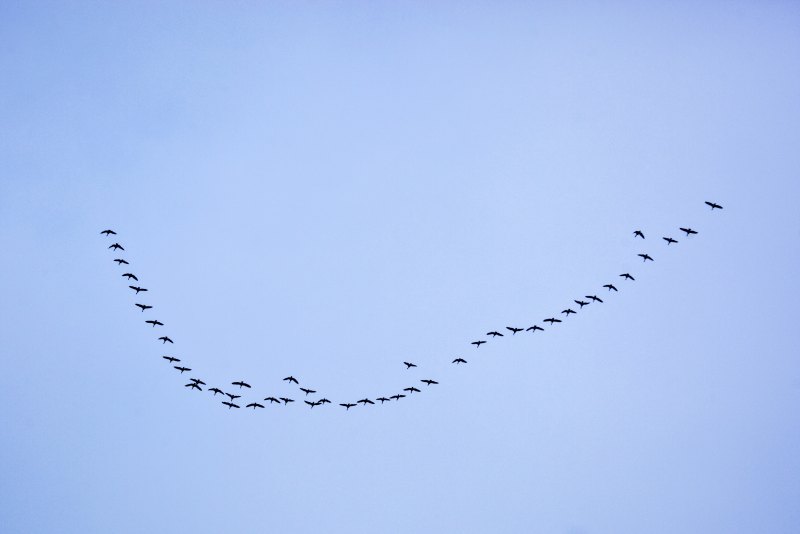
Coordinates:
(638, 233)
(232, 396)
(230, 404)
(669, 240)
(581, 303)
(595, 298)
(312, 404)
(307, 391)
(324, 401)
(627, 276)
(535, 328)
(514, 330)
(494, 334)
(382, 399)
(459, 361)
(155, 323)
(241, 384)
(197, 381)
(181, 369)
(130, 276)
(272, 400)
(411, 390)
(365, 402)
(216, 390)
(429, 382)
(552, 320)
(193, 385)
(713, 205)
(409, 365)
(645, 257)
(610, 287)
(170, 359)
(477, 343)
(144, 306)
(568, 311)
(164, 339)
(116, 246)
(347, 405)
(255, 405)
(688, 231)
(137, 289)
(109, 232)
(397, 397)
(286, 400)
(120, 261)
(291, 379)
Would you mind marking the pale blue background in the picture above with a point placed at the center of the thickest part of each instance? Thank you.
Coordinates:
(328, 189)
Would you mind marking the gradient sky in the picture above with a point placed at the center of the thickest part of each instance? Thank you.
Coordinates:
(329, 189)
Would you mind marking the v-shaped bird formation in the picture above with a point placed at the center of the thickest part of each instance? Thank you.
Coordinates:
(290, 382)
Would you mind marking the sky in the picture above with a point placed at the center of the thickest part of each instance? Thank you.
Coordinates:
(329, 189)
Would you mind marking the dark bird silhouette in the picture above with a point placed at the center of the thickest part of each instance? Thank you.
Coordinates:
(477, 343)
(197, 381)
(216, 390)
(307, 391)
(230, 404)
(688, 231)
(312, 404)
(610, 287)
(181, 369)
(638, 233)
(241, 384)
(645, 257)
(286, 400)
(595, 298)
(382, 399)
(535, 328)
(170, 359)
(409, 365)
(232, 396)
(137, 289)
(582, 303)
(627, 276)
(669, 240)
(324, 401)
(193, 385)
(155, 323)
(568, 311)
(255, 405)
(397, 397)
(411, 390)
(494, 334)
(291, 379)
(144, 306)
(552, 320)
(459, 360)
(346, 405)
(429, 382)
(116, 246)
(130, 276)
(365, 402)
(273, 400)
(713, 205)
(112, 232)
(164, 339)
(514, 330)
(120, 261)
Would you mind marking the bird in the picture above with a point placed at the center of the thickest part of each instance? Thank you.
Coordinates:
(291, 379)
(627, 276)
(120, 261)
(688, 231)
(324, 401)
(365, 402)
(568, 311)
(241, 384)
(669, 240)
(494, 334)
(109, 232)
(346, 405)
(144, 306)
(610, 287)
(216, 390)
(397, 397)
(409, 365)
(129, 276)
(638, 233)
(232, 396)
(181, 369)
(382, 399)
(165, 339)
(459, 360)
(116, 246)
(411, 390)
(552, 320)
(137, 289)
(645, 257)
(307, 391)
(582, 303)
(514, 330)
(286, 400)
(312, 404)
(155, 323)
(170, 359)
(535, 328)
(197, 381)
(595, 298)
(273, 400)
(193, 385)
(713, 205)
(477, 343)
(254, 405)
(429, 382)
(230, 404)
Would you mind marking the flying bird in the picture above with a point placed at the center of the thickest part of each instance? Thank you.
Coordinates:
(429, 382)
(312, 404)
(494, 334)
(216, 390)
(155, 323)
(241, 384)
(382, 399)
(307, 391)
(286, 400)
(181, 369)
(638, 233)
(144, 306)
(291, 379)
(165, 339)
(137, 289)
(477, 343)
(582, 303)
(610, 287)
(595, 298)
(552, 320)
(120, 261)
(129, 276)
(170, 359)
(365, 402)
(645, 257)
(197, 381)
(232, 396)
(411, 390)
(627, 276)
(409, 365)
(116, 246)
(669, 240)
(112, 232)
(347, 405)
(535, 328)
(459, 360)
(568, 311)
(324, 401)
(397, 397)
(688, 231)
(230, 404)
(514, 330)
(713, 205)
(193, 385)
(273, 400)
(254, 405)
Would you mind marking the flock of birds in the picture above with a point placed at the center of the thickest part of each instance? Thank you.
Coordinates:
(233, 398)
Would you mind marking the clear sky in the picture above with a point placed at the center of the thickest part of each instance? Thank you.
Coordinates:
(329, 189)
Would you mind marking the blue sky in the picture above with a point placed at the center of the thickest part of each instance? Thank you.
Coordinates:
(330, 189)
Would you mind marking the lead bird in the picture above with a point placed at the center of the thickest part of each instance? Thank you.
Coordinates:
(713, 205)
(459, 360)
